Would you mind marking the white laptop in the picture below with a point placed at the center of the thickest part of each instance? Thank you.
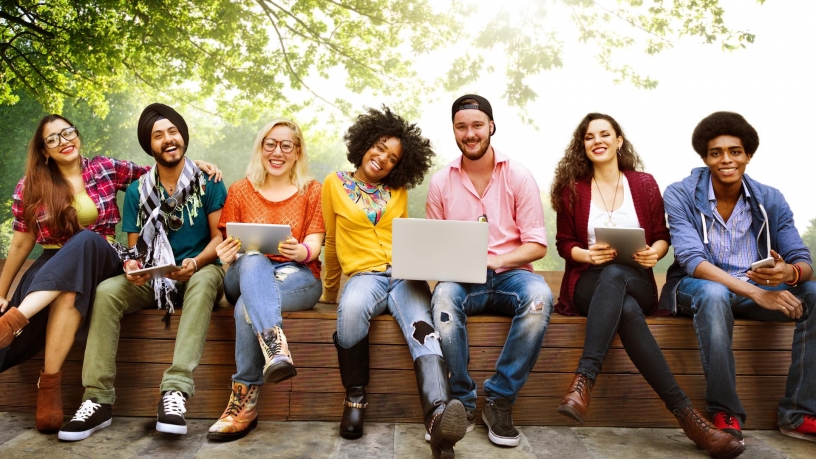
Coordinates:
(439, 250)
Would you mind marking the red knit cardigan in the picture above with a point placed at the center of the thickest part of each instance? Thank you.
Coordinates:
(572, 229)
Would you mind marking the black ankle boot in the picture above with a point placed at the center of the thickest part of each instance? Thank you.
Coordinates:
(445, 419)
(354, 373)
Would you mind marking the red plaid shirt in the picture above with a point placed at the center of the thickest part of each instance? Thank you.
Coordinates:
(103, 177)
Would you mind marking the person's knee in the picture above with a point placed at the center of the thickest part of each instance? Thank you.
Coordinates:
(536, 298)
(713, 298)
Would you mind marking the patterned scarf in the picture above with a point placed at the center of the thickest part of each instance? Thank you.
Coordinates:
(152, 247)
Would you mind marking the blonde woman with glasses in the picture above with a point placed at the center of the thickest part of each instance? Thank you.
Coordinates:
(279, 190)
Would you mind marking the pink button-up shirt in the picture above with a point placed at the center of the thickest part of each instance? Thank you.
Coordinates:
(511, 202)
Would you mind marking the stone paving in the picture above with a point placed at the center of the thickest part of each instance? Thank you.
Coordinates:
(137, 438)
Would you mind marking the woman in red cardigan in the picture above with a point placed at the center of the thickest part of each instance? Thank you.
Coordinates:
(597, 184)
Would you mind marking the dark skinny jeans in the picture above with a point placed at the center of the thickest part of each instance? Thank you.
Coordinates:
(616, 298)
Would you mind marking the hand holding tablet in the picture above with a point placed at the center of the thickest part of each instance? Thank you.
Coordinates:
(624, 241)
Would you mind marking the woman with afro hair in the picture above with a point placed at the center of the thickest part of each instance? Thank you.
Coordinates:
(598, 184)
(389, 156)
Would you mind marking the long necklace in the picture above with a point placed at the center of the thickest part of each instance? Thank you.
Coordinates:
(609, 222)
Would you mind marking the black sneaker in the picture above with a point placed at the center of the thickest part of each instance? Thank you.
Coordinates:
(498, 416)
(89, 418)
(471, 424)
(171, 413)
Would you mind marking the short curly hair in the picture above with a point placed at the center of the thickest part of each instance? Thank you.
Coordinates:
(724, 123)
(373, 125)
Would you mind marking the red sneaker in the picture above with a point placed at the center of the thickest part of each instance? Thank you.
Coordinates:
(806, 431)
(727, 422)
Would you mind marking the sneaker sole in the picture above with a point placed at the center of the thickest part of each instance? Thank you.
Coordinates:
(230, 436)
(279, 372)
(798, 435)
(571, 412)
(497, 439)
(76, 436)
(171, 428)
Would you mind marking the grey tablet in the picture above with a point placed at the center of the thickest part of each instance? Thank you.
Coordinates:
(156, 271)
(259, 237)
(439, 250)
(626, 241)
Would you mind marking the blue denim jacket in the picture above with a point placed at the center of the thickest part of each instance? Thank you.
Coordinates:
(688, 209)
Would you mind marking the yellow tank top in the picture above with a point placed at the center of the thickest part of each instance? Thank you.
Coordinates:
(87, 214)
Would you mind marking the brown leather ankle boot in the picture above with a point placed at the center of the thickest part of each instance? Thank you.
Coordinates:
(718, 444)
(576, 402)
(49, 402)
(11, 324)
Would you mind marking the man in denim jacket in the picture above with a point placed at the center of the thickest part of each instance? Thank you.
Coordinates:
(721, 222)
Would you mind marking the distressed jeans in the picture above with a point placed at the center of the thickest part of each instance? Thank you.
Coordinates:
(369, 294)
(116, 297)
(517, 293)
(714, 309)
(261, 289)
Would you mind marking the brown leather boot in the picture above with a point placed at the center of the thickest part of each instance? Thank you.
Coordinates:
(718, 444)
(576, 402)
(49, 402)
(11, 325)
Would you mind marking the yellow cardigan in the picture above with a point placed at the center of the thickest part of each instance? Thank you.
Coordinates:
(353, 243)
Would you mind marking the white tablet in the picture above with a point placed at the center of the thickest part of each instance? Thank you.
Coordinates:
(156, 271)
(259, 237)
(626, 241)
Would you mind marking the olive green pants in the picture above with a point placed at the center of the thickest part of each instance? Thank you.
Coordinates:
(116, 297)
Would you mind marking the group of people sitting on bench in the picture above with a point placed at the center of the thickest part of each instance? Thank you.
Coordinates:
(720, 222)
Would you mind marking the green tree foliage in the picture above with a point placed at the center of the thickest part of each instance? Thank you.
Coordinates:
(810, 237)
(250, 53)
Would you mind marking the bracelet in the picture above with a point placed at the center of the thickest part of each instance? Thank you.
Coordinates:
(195, 263)
(798, 270)
(308, 253)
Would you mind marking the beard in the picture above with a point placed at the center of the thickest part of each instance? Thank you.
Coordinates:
(484, 145)
(172, 163)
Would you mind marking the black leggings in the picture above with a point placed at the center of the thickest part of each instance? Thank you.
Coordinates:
(616, 298)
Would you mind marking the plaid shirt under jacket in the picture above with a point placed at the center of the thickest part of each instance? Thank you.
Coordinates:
(103, 177)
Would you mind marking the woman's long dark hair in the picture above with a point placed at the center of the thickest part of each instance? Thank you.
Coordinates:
(46, 190)
(575, 165)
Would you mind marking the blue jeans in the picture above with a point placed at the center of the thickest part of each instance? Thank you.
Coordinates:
(517, 293)
(259, 302)
(714, 308)
(369, 294)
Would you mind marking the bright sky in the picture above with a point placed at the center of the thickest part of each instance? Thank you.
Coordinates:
(768, 83)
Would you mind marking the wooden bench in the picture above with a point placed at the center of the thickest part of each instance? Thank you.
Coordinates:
(621, 396)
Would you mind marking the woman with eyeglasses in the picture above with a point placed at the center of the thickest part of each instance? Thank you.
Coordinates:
(359, 206)
(66, 203)
(277, 190)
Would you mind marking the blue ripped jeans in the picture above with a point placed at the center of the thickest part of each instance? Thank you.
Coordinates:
(369, 294)
(517, 293)
(258, 304)
(714, 309)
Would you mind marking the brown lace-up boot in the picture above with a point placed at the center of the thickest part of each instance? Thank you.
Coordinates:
(576, 402)
(718, 444)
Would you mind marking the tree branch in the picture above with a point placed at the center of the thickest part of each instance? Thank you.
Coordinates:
(28, 25)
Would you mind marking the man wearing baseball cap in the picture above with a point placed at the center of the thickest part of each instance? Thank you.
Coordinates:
(485, 185)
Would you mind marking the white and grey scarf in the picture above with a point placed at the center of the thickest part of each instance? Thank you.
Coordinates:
(152, 247)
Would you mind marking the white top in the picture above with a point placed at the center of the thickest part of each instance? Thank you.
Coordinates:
(623, 217)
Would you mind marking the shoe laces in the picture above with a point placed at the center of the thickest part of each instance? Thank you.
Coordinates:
(237, 402)
(700, 421)
(85, 411)
(173, 402)
(728, 419)
(580, 384)
(273, 346)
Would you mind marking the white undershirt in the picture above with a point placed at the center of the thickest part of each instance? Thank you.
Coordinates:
(624, 217)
